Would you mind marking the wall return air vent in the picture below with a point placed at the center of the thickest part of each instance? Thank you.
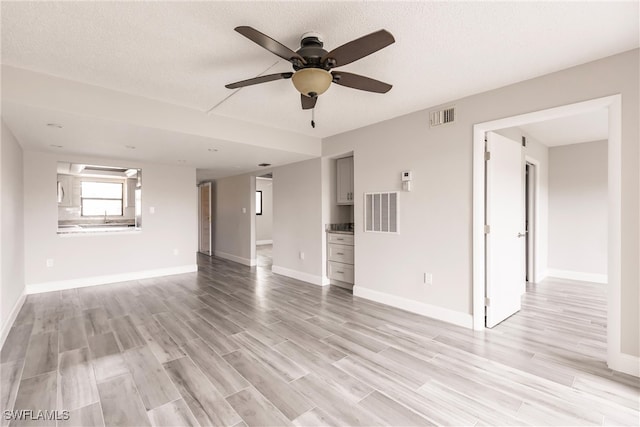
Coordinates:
(381, 212)
(441, 117)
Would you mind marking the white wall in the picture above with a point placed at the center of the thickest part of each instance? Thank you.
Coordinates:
(264, 222)
(78, 259)
(578, 208)
(436, 217)
(12, 223)
(234, 228)
(298, 221)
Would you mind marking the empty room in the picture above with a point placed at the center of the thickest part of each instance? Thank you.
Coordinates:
(320, 213)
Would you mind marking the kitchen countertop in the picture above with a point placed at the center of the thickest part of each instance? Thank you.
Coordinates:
(340, 228)
(339, 232)
(113, 228)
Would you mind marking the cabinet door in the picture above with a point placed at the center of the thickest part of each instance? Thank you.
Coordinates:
(344, 178)
(65, 190)
(342, 272)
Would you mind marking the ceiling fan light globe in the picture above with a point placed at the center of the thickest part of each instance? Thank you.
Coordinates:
(312, 80)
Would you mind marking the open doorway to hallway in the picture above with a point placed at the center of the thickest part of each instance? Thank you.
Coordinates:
(568, 197)
(264, 220)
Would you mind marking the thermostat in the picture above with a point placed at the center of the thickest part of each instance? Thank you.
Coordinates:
(406, 176)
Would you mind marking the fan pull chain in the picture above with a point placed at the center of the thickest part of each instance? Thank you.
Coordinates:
(313, 118)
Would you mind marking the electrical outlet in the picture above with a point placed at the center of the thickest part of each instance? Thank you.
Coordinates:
(152, 210)
(49, 262)
(301, 255)
(428, 279)
(244, 210)
(176, 251)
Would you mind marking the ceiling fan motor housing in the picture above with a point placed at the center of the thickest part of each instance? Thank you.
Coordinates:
(311, 50)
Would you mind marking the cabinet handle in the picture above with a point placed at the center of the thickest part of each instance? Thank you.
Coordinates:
(340, 272)
(339, 238)
(339, 253)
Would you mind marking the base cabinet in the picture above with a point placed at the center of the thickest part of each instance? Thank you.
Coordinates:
(340, 258)
(341, 272)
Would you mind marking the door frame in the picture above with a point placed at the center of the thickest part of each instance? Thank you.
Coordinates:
(614, 105)
(200, 219)
(533, 237)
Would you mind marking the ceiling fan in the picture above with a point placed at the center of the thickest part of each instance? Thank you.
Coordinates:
(313, 66)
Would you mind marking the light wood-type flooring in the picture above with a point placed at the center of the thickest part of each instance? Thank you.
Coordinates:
(236, 346)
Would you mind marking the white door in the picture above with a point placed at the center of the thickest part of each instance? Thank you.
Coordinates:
(205, 218)
(505, 269)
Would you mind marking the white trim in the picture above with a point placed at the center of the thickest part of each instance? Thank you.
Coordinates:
(626, 363)
(235, 258)
(13, 314)
(440, 313)
(200, 219)
(36, 288)
(614, 105)
(300, 275)
(264, 242)
(540, 275)
(577, 275)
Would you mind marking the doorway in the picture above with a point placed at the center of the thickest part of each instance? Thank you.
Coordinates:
(264, 220)
(612, 104)
(205, 238)
(530, 225)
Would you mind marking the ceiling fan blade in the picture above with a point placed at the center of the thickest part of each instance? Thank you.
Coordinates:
(270, 44)
(307, 102)
(258, 80)
(357, 81)
(359, 48)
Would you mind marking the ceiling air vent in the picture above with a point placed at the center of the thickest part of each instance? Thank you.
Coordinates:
(441, 117)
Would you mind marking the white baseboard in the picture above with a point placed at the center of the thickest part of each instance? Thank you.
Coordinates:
(450, 316)
(61, 285)
(299, 275)
(625, 363)
(235, 258)
(13, 314)
(577, 275)
(541, 275)
(264, 242)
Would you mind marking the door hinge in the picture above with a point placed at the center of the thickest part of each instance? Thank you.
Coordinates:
(487, 155)
(487, 302)
(487, 229)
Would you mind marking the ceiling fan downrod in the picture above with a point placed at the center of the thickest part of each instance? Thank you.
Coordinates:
(313, 117)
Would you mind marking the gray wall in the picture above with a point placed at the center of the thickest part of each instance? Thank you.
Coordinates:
(264, 222)
(297, 218)
(436, 217)
(578, 208)
(12, 223)
(171, 190)
(235, 228)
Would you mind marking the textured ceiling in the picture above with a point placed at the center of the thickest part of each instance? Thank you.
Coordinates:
(185, 52)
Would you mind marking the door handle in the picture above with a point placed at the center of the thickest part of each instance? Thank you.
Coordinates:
(522, 234)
